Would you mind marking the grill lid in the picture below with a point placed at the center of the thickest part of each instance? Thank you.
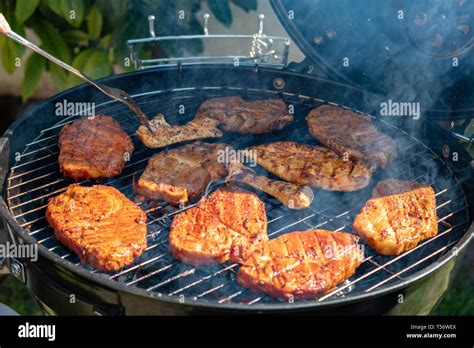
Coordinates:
(411, 51)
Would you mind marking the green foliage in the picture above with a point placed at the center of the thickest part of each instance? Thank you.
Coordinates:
(51, 40)
(246, 5)
(24, 9)
(35, 66)
(221, 10)
(73, 11)
(91, 35)
(94, 23)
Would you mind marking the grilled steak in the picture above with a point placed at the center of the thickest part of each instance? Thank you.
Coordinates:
(389, 187)
(229, 224)
(179, 174)
(398, 222)
(344, 131)
(167, 134)
(302, 264)
(311, 165)
(236, 115)
(99, 224)
(93, 148)
(294, 196)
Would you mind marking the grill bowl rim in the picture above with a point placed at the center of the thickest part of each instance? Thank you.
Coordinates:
(205, 304)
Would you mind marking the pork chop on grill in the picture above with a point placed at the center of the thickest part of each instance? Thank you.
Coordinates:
(302, 264)
(93, 148)
(177, 175)
(99, 224)
(255, 117)
(229, 224)
(394, 223)
(166, 134)
(345, 131)
(311, 165)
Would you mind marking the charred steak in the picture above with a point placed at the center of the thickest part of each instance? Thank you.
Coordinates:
(236, 115)
(229, 224)
(99, 224)
(179, 174)
(344, 131)
(93, 148)
(311, 165)
(398, 222)
(302, 264)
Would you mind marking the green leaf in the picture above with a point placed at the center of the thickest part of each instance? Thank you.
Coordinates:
(221, 10)
(94, 23)
(105, 41)
(246, 5)
(75, 36)
(55, 6)
(58, 75)
(73, 12)
(35, 66)
(24, 9)
(8, 56)
(94, 63)
(51, 40)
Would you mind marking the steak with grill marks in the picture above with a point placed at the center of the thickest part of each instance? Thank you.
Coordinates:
(394, 223)
(177, 175)
(236, 115)
(99, 224)
(93, 148)
(345, 131)
(229, 224)
(302, 264)
(311, 165)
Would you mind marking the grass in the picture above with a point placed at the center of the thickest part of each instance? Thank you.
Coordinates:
(17, 296)
(459, 300)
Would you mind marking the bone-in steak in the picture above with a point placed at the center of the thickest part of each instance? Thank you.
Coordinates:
(179, 174)
(166, 134)
(311, 165)
(302, 264)
(344, 131)
(236, 115)
(93, 148)
(229, 224)
(99, 224)
(398, 222)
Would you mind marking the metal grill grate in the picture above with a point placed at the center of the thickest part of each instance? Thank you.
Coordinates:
(35, 178)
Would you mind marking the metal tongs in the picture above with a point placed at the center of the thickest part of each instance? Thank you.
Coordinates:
(113, 93)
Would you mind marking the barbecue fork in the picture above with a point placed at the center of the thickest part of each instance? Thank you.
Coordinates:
(113, 93)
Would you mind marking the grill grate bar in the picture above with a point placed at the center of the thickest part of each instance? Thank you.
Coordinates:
(394, 275)
(155, 259)
(397, 258)
(181, 275)
(380, 267)
(12, 169)
(200, 280)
